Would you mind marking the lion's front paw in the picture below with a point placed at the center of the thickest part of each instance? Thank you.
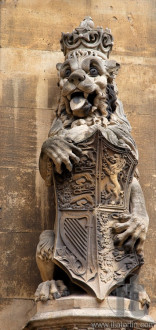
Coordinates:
(130, 233)
(51, 290)
(60, 151)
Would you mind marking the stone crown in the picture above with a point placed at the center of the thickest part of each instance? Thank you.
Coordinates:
(86, 36)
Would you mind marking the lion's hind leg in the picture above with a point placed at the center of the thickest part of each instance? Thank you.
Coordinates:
(49, 288)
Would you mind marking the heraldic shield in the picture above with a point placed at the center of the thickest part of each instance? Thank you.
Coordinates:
(88, 199)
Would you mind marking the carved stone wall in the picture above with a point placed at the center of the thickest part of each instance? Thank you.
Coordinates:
(29, 52)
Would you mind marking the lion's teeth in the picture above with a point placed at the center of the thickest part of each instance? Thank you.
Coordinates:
(85, 95)
(69, 97)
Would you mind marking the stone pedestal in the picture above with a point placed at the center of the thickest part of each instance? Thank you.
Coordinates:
(86, 313)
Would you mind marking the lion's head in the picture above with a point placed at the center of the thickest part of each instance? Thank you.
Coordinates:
(87, 86)
(88, 98)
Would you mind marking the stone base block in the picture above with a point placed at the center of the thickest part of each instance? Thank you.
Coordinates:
(86, 313)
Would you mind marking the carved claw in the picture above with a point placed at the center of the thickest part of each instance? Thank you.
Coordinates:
(60, 151)
(62, 288)
(131, 232)
(141, 257)
(56, 295)
(51, 290)
(42, 292)
(144, 298)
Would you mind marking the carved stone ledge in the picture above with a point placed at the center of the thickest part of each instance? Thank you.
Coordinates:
(86, 313)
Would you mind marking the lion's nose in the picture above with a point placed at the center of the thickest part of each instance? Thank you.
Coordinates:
(77, 77)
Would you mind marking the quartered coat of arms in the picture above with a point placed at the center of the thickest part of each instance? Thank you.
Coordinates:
(90, 157)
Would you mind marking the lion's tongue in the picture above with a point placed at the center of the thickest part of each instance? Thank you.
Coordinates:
(77, 102)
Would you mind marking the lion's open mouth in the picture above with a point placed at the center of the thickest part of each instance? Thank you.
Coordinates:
(81, 103)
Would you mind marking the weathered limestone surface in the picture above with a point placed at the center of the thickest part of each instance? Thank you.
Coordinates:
(28, 96)
(85, 313)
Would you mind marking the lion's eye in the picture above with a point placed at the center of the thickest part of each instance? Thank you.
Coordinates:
(94, 72)
(67, 73)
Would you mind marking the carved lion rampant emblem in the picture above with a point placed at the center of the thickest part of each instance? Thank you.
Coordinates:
(101, 220)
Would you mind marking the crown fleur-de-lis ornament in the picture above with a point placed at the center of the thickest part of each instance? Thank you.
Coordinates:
(86, 36)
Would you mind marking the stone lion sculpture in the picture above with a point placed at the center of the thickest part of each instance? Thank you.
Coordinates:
(89, 103)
